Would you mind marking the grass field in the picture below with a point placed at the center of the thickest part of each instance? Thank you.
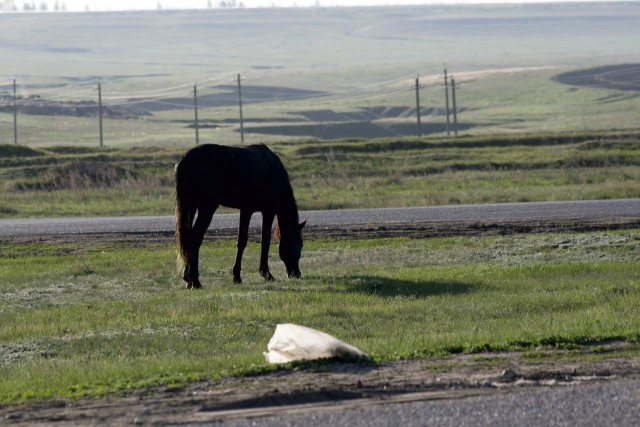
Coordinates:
(502, 56)
(91, 317)
(73, 324)
(495, 102)
(67, 181)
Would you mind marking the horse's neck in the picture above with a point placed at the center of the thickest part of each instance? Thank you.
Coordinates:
(288, 214)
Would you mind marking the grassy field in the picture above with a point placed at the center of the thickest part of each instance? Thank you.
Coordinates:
(134, 50)
(73, 324)
(502, 56)
(495, 102)
(68, 181)
(90, 318)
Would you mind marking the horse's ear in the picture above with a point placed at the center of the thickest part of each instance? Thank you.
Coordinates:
(276, 232)
(302, 224)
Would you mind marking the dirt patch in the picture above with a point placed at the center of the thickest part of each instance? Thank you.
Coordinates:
(35, 105)
(7, 150)
(313, 385)
(429, 229)
(624, 77)
(360, 129)
(227, 95)
(414, 230)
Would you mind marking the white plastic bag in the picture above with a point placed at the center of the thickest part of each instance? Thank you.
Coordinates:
(294, 342)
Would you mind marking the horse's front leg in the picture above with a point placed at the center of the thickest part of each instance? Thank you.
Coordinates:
(267, 222)
(243, 237)
(191, 275)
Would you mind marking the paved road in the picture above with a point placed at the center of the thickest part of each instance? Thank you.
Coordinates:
(612, 403)
(495, 213)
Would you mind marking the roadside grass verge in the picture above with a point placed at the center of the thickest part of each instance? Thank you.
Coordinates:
(94, 318)
(83, 181)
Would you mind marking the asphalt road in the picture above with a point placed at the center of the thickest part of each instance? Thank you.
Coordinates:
(611, 403)
(489, 213)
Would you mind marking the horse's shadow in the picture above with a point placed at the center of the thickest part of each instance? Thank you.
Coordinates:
(388, 287)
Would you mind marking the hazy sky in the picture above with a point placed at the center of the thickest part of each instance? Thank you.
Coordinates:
(97, 5)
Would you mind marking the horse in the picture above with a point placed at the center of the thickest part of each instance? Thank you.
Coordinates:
(252, 179)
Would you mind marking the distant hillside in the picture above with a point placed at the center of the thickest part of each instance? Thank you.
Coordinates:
(335, 46)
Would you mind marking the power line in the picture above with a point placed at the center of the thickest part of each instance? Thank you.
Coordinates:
(78, 97)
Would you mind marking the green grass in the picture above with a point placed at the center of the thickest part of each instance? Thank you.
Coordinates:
(520, 102)
(502, 56)
(92, 319)
(337, 174)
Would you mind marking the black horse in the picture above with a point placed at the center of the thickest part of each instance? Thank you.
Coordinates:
(252, 179)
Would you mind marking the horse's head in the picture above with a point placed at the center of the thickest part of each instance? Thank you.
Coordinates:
(290, 249)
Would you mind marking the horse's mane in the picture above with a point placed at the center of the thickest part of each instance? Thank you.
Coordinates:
(291, 214)
(289, 200)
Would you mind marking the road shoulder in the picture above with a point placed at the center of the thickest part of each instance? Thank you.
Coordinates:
(331, 385)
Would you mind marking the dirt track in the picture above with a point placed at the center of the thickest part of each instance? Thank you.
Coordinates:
(315, 386)
(415, 229)
(620, 77)
(323, 384)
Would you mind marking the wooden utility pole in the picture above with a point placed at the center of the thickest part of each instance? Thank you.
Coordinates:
(195, 109)
(446, 97)
(455, 110)
(15, 113)
(418, 106)
(100, 113)
(240, 105)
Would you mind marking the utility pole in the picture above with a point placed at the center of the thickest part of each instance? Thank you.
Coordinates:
(240, 104)
(418, 106)
(195, 105)
(15, 114)
(455, 110)
(100, 113)
(446, 97)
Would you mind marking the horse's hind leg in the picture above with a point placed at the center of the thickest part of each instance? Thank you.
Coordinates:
(243, 237)
(267, 222)
(197, 235)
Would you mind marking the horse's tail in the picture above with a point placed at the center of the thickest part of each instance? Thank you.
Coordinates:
(184, 215)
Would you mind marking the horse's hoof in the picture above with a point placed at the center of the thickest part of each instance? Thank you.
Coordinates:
(267, 275)
(237, 280)
(294, 274)
(194, 285)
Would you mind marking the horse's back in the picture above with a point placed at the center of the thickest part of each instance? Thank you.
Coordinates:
(226, 157)
(238, 177)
